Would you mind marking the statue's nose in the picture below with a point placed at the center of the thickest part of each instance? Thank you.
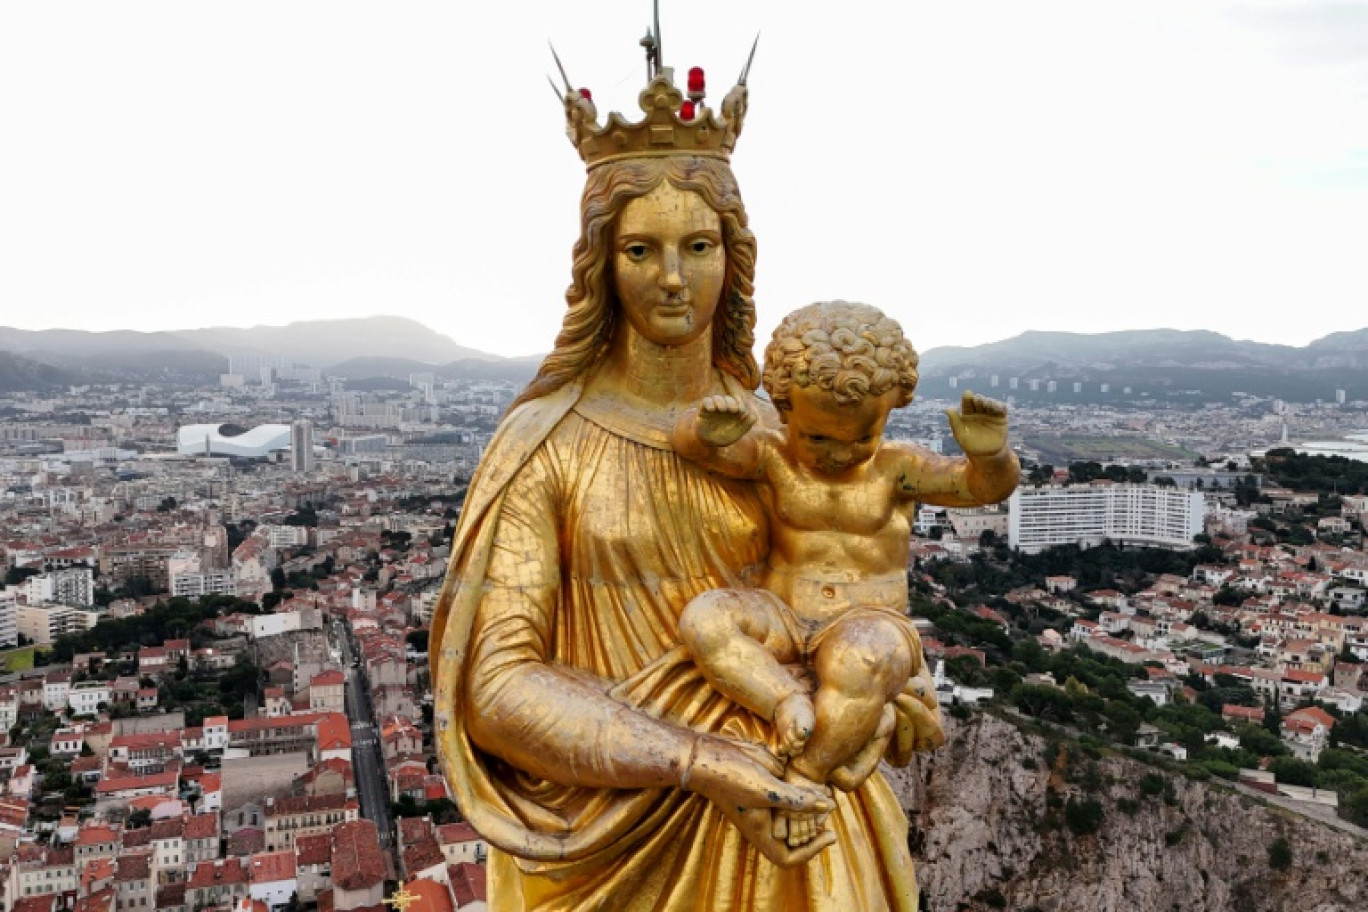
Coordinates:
(671, 279)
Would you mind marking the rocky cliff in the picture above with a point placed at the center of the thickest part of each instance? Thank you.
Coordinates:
(1003, 819)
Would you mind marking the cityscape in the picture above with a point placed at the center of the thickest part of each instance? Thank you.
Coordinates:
(214, 616)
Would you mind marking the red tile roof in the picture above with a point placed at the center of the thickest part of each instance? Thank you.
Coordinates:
(201, 826)
(96, 834)
(313, 849)
(451, 833)
(147, 740)
(132, 867)
(467, 882)
(334, 732)
(164, 781)
(357, 862)
(46, 903)
(432, 896)
(273, 866)
(1312, 714)
(306, 804)
(215, 873)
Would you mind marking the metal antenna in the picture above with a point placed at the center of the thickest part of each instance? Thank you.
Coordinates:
(659, 43)
(749, 60)
(568, 88)
(649, 43)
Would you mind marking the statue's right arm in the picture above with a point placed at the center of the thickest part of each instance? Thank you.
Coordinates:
(520, 705)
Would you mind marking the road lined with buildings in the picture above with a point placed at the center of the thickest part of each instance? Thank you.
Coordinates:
(368, 760)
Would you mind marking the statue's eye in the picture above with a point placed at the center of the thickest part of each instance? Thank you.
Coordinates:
(701, 246)
(635, 252)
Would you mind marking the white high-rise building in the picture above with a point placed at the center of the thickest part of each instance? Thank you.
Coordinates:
(74, 586)
(1086, 515)
(301, 446)
(9, 618)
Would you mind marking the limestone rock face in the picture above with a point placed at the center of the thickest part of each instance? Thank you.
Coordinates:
(1002, 819)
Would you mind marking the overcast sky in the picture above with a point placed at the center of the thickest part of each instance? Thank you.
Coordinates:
(976, 169)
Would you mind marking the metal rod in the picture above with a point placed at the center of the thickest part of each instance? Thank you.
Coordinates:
(568, 88)
(749, 60)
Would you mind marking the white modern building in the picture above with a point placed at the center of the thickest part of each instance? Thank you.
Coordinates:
(85, 697)
(194, 585)
(232, 440)
(1087, 515)
(74, 586)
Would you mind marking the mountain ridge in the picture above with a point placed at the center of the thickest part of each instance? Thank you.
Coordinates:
(1150, 362)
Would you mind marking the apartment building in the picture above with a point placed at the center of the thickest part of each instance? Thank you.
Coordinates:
(1087, 515)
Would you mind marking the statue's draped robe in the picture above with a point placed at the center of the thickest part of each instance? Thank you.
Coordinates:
(582, 538)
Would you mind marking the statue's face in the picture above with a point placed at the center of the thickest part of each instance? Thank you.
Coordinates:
(669, 265)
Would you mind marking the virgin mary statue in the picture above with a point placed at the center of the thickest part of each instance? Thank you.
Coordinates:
(575, 733)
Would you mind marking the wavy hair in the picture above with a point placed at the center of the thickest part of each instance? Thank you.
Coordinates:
(848, 350)
(593, 306)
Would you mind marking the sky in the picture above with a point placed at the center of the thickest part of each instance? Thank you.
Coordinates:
(975, 169)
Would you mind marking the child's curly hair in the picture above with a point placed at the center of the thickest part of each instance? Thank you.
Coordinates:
(849, 350)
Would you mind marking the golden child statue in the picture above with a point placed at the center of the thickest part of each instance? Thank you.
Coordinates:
(577, 732)
(840, 501)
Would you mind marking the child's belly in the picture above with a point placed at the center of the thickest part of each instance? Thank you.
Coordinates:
(820, 599)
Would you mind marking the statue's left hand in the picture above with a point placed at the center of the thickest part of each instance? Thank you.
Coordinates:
(745, 786)
(979, 425)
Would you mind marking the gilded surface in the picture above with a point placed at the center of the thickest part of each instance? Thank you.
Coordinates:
(612, 765)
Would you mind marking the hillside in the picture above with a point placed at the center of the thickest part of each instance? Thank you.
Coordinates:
(1161, 363)
(518, 370)
(1164, 364)
(18, 373)
(1002, 819)
(323, 343)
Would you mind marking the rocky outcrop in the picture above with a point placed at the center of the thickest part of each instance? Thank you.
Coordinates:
(1005, 819)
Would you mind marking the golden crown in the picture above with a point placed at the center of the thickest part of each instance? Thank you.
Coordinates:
(674, 124)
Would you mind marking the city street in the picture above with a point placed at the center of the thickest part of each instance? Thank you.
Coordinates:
(368, 762)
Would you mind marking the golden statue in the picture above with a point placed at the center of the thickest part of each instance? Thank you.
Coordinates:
(580, 735)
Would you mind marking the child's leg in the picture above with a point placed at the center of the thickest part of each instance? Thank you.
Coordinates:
(740, 642)
(863, 662)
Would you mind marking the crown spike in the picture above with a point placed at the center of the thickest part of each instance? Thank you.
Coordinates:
(559, 97)
(568, 88)
(749, 60)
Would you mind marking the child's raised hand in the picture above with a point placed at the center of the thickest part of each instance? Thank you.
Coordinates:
(979, 425)
(723, 420)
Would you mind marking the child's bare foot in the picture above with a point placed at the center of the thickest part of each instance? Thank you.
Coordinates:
(793, 720)
(858, 768)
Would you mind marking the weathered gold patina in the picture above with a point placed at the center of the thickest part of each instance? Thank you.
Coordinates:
(577, 733)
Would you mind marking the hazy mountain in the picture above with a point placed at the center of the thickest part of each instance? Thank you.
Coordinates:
(518, 370)
(388, 346)
(19, 373)
(1159, 363)
(106, 357)
(323, 343)
(1194, 364)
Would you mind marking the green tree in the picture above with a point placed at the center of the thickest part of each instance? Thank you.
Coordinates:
(1280, 854)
